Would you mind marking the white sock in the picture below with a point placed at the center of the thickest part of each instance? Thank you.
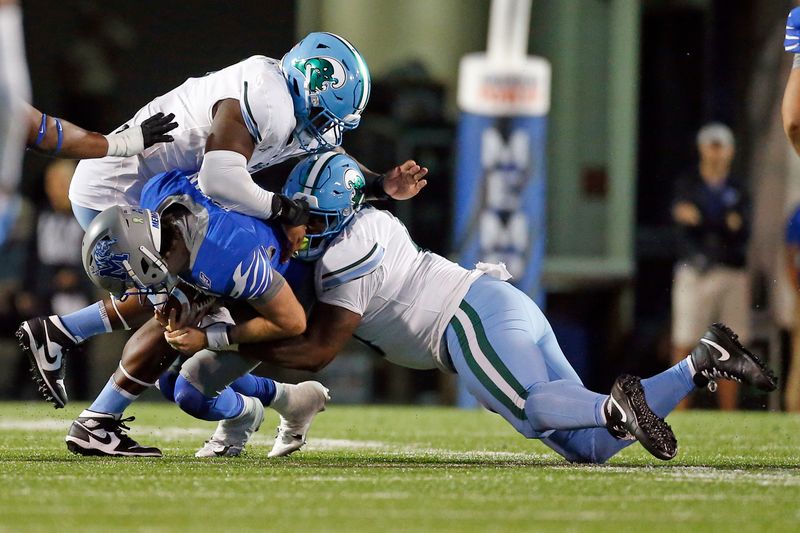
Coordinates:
(281, 399)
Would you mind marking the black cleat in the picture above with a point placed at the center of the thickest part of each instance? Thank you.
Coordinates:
(105, 435)
(719, 354)
(629, 417)
(47, 343)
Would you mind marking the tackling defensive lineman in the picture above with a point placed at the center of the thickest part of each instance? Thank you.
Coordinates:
(232, 122)
(180, 231)
(420, 310)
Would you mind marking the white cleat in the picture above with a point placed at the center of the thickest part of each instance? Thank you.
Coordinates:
(298, 406)
(232, 434)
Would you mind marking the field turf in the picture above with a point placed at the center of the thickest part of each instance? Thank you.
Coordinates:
(398, 469)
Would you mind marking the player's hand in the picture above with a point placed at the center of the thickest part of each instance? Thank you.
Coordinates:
(154, 129)
(295, 236)
(187, 341)
(289, 212)
(405, 181)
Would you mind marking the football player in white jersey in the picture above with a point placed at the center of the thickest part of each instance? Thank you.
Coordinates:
(420, 310)
(231, 123)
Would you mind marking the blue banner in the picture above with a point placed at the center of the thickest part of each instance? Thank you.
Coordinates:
(500, 191)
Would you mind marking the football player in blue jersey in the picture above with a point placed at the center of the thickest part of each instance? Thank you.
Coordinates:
(420, 310)
(180, 232)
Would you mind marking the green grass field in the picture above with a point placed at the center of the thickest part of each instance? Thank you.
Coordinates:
(398, 469)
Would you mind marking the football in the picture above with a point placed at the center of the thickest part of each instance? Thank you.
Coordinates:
(189, 303)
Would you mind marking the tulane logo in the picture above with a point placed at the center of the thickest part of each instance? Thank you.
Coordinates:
(354, 181)
(107, 264)
(321, 73)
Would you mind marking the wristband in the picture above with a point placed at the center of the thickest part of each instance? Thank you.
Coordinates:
(60, 134)
(42, 130)
(218, 338)
(125, 143)
(378, 191)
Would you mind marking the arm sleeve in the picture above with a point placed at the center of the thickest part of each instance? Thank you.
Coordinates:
(223, 176)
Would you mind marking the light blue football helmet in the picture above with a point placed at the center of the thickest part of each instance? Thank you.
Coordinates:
(333, 186)
(329, 83)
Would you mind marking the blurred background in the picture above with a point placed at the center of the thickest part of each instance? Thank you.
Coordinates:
(632, 83)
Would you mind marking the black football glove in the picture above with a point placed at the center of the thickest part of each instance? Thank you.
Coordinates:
(289, 212)
(154, 129)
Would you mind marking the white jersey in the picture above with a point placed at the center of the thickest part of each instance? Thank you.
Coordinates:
(259, 86)
(405, 296)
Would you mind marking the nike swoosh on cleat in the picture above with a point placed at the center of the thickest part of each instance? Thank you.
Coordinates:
(724, 355)
(50, 359)
(107, 440)
(619, 407)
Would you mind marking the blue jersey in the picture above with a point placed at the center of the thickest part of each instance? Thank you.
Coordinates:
(231, 254)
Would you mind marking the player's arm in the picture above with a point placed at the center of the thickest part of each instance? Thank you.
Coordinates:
(329, 329)
(280, 316)
(57, 137)
(224, 177)
(400, 183)
(790, 108)
(14, 89)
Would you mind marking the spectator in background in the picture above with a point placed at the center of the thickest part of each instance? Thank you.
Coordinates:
(711, 284)
(792, 390)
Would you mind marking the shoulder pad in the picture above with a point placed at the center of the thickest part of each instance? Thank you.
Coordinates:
(347, 260)
(254, 97)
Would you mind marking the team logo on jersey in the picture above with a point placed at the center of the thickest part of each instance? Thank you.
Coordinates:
(354, 182)
(321, 73)
(107, 264)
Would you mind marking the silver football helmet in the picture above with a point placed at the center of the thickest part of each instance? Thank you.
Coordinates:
(121, 252)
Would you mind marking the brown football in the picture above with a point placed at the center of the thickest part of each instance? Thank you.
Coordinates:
(189, 303)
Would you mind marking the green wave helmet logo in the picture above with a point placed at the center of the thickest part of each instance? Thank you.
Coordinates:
(321, 73)
(354, 182)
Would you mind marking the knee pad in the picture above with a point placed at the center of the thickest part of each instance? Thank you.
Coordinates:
(166, 384)
(191, 400)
